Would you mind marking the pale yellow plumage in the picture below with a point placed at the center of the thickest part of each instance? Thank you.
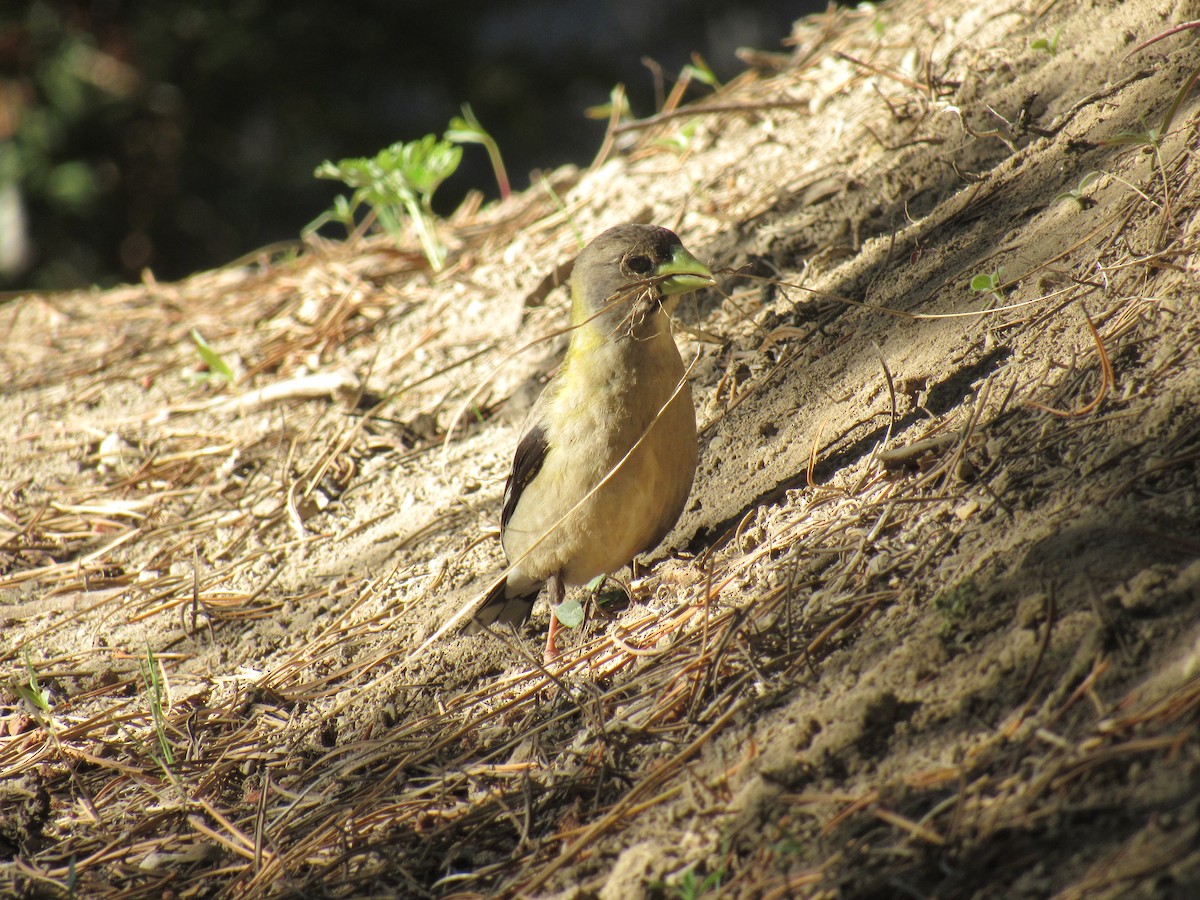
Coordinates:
(620, 387)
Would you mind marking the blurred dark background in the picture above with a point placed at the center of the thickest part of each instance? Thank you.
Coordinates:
(181, 135)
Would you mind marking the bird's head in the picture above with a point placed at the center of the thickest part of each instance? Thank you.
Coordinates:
(629, 272)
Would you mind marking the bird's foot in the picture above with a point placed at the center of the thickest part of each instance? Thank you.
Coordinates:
(551, 653)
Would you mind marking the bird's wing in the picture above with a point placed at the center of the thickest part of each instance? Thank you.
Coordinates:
(527, 462)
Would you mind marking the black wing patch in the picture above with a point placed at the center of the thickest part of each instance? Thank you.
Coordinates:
(527, 462)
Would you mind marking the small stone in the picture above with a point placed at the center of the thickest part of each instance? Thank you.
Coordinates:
(964, 511)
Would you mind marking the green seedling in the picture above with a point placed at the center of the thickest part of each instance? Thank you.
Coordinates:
(617, 103)
(1049, 45)
(878, 25)
(398, 181)
(1149, 137)
(990, 283)
(155, 694)
(467, 130)
(1076, 193)
(570, 612)
(699, 70)
(31, 690)
(681, 139)
(691, 886)
(341, 212)
(217, 368)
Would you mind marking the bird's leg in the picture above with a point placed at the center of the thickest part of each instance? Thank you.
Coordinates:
(557, 592)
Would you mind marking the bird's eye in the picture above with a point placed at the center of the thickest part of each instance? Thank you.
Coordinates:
(639, 265)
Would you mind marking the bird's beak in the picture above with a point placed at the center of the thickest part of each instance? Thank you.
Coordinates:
(682, 273)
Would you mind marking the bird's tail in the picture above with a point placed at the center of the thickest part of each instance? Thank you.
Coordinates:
(500, 607)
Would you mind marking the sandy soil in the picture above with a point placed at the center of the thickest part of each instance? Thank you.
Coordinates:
(928, 626)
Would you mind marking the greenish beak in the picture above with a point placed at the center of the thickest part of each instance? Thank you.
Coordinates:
(682, 273)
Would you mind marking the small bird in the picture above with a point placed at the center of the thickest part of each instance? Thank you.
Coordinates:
(618, 414)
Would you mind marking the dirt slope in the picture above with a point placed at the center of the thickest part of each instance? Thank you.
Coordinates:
(928, 626)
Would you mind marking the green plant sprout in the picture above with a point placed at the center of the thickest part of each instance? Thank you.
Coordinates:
(1150, 137)
(617, 102)
(570, 612)
(398, 180)
(31, 691)
(878, 25)
(691, 886)
(700, 70)
(1076, 193)
(466, 129)
(218, 369)
(989, 283)
(1049, 45)
(680, 139)
(155, 692)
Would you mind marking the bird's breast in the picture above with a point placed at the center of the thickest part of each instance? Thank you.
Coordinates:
(623, 436)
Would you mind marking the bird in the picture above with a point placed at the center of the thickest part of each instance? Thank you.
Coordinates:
(609, 447)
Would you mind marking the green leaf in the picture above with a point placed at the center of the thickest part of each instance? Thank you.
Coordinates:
(343, 211)
(217, 366)
(424, 164)
(616, 101)
(569, 613)
(466, 128)
(35, 696)
(702, 72)
(983, 282)
(399, 180)
(32, 692)
(680, 139)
